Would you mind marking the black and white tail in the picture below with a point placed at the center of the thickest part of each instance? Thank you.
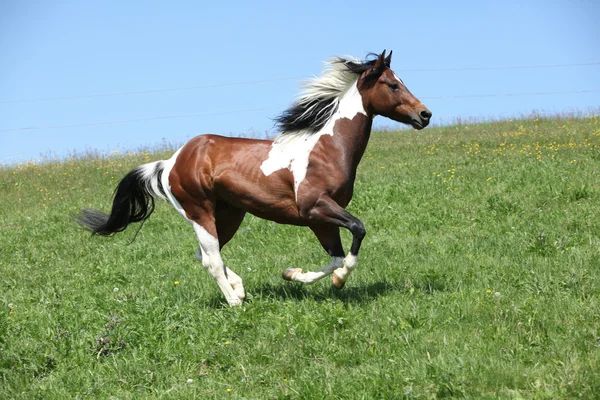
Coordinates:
(133, 201)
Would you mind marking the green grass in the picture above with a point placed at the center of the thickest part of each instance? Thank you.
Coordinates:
(478, 278)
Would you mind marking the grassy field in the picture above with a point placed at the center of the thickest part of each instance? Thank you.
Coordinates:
(479, 277)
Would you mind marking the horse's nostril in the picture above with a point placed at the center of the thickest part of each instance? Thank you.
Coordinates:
(425, 114)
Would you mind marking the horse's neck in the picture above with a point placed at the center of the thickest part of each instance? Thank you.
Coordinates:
(352, 129)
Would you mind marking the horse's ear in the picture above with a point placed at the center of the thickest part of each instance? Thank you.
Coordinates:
(380, 63)
(388, 59)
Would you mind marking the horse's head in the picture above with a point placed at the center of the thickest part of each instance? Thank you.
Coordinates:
(384, 94)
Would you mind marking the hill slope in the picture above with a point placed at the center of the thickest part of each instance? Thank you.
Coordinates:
(479, 277)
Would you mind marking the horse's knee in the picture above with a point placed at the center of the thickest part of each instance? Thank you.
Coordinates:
(358, 230)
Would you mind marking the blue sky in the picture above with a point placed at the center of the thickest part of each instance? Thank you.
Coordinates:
(72, 48)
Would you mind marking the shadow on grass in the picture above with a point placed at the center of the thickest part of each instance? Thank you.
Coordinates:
(298, 291)
(424, 284)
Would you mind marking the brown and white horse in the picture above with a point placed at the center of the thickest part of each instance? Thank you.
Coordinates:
(304, 177)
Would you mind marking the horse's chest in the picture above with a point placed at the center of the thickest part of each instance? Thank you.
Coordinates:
(294, 153)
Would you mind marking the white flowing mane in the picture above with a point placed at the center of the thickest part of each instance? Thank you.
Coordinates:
(319, 98)
(331, 84)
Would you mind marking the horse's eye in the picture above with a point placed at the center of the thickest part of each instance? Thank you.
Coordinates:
(394, 86)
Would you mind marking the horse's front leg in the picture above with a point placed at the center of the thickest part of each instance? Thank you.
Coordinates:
(327, 212)
(329, 237)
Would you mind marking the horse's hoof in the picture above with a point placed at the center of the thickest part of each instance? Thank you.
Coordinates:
(289, 273)
(234, 302)
(337, 282)
(241, 294)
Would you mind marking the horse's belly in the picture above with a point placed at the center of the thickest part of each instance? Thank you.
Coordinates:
(269, 197)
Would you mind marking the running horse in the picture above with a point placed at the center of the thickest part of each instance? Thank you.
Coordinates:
(304, 177)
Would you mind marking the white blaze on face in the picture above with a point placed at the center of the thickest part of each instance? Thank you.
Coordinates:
(399, 80)
(292, 150)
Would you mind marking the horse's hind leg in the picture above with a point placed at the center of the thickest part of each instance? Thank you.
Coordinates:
(211, 257)
(227, 222)
(329, 237)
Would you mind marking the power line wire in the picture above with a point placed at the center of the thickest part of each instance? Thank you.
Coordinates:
(217, 85)
(28, 128)
(272, 107)
(468, 96)
(501, 68)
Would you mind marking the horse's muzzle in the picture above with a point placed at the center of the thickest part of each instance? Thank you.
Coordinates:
(422, 119)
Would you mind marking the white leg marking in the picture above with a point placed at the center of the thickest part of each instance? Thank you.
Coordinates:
(296, 274)
(236, 283)
(234, 279)
(343, 273)
(212, 261)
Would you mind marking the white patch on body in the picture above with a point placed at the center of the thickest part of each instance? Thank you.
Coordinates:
(148, 174)
(292, 150)
(167, 168)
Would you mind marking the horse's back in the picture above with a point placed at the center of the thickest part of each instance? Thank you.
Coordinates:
(218, 168)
